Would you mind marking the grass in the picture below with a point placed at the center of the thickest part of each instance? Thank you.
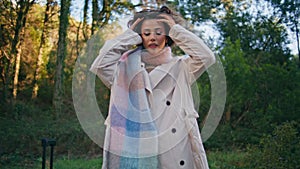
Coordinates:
(78, 164)
(61, 164)
(217, 160)
(227, 160)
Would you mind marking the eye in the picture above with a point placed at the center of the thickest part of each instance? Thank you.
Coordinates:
(158, 32)
(147, 33)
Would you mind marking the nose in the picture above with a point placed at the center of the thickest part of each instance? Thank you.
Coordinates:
(152, 37)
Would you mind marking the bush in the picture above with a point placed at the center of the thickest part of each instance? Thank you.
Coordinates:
(226, 138)
(233, 159)
(22, 131)
(280, 150)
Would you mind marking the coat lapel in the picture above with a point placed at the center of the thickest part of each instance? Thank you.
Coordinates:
(157, 74)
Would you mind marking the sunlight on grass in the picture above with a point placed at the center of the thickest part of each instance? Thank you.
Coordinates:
(64, 163)
(78, 164)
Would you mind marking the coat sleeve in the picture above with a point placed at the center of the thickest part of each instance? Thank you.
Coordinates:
(105, 65)
(200, 55)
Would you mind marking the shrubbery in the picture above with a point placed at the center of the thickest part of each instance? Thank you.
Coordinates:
(280, 149)
(21, 144)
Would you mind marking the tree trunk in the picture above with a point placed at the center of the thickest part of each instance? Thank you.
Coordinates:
(37, 71)
(61, 54)
(105, 13)
(85, 13)
(228, 114)
(95, 14)
(24, 7)
(17, 70)
(298, 45)
(77, 40)
(39, 62)
(7, 77)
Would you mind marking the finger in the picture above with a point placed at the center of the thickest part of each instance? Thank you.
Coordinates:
(167, 21)
(139, 20)
(169, 18)
(136, 22)
(162, 20)
(165, 16)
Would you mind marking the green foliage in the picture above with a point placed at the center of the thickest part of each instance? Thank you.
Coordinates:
(277, 90)
(280, 150)
(233, 159)
(289, 13)
(196, 11)
(237, 75)
(21, 138)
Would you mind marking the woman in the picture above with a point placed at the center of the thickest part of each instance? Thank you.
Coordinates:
(152, 120)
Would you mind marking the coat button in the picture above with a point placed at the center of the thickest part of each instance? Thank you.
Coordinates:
(173, 130)
(168, 103)
(181, 162)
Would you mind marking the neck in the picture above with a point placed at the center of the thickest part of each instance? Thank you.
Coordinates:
(162, 57)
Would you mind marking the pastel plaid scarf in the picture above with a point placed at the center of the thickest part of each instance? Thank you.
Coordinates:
(133, 134)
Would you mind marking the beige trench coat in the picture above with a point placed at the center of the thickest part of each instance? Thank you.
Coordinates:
(171, 101)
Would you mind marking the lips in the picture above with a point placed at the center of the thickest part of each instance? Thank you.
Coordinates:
(153, 45)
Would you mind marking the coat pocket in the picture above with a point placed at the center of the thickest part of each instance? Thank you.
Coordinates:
(198, 151)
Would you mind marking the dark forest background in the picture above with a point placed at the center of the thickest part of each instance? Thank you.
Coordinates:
(40, 42)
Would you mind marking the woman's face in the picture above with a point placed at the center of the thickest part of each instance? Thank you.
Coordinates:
(153, 35)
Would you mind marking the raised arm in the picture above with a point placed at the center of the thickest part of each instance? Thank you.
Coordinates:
(200, 55)
(106, 62)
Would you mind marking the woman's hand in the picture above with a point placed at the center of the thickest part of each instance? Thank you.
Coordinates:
(136, 22)
(167, 19)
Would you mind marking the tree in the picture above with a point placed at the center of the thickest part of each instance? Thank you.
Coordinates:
(109, 11)
(6, 32)
(85, 18)
(288, 12)
(22, 11)
(95, 13)
(238, 81)
(61, 55)
(39, 61)
(196, 11)
(12, 29)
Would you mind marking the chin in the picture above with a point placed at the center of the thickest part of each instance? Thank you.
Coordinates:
(154, 51)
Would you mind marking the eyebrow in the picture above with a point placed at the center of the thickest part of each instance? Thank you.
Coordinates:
(147, 29)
